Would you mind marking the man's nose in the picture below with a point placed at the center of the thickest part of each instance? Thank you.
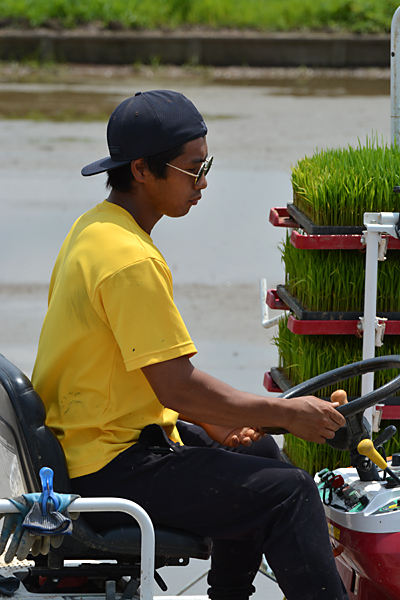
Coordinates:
(202, 183)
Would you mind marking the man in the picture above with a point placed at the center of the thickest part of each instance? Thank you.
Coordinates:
(114, 371)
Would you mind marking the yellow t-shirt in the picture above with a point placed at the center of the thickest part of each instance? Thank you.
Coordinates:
(111, 312)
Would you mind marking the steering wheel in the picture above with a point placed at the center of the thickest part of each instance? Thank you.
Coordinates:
(357, 405)
(370, 365)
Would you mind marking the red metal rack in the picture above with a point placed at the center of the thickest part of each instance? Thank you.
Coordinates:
(280, 217)
(334, 327)
(309, 324)
(324, 326)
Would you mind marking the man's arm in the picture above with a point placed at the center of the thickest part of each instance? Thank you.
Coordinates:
(204, 399)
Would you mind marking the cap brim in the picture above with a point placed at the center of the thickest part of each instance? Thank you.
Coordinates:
(102, 165)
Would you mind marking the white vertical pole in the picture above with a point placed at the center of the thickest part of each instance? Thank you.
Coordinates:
(371, 282)
(395, 78)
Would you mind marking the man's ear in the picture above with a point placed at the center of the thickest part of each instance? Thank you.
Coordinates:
(140, 170)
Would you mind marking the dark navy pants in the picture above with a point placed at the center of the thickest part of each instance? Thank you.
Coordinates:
(246, 499)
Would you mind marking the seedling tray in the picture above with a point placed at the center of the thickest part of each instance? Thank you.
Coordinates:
(274, 302)
(279, 217)
(314, 229)
(275, 381)
(308, 315)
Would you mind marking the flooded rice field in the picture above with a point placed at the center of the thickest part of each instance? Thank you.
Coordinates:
(68, 93)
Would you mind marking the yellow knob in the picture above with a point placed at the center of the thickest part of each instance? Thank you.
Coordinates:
(367, 448)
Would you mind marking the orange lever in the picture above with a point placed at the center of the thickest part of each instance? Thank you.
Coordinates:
(339, 396)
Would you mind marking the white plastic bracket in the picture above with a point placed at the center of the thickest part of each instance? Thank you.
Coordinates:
(377, 417)
(380, 326)
(382, 248)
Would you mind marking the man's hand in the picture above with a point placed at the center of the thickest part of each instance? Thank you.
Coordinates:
(233, 436)
(313, 419)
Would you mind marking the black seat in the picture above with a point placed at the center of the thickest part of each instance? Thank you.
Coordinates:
(27, 445)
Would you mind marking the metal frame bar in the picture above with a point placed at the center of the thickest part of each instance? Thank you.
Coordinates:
(376, 224)
(117, 505)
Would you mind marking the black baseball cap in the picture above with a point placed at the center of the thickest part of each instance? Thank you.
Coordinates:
(146, 124)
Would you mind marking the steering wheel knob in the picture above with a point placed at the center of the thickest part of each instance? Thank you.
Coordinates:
(339, 396)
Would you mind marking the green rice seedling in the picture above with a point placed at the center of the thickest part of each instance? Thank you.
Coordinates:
(336, 187)
(302, 357)
(333, 280)
(313, 457)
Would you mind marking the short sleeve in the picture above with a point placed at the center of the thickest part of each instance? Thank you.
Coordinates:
(140, 310)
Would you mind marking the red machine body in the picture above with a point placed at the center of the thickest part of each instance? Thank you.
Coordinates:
(369, 563)
(364, 527)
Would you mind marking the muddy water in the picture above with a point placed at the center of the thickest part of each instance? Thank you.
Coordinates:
(65, 93)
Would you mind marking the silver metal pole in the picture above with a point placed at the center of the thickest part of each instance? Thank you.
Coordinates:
(395, 78)
(375, 224)
(371, 279)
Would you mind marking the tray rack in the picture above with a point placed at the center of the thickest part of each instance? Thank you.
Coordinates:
(308, 236)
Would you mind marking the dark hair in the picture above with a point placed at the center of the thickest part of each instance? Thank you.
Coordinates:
(121, 178)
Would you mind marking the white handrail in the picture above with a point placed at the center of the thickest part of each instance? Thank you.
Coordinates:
(117, 505)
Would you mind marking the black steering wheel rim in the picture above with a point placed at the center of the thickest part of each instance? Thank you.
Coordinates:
(348, 372)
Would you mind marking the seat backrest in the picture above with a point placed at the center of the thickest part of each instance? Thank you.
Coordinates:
(26, 443)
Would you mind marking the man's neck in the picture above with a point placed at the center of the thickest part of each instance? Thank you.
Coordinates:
(136, 207)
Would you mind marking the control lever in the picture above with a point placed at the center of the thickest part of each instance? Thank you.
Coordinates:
(339, 396)
(385, 436)
(367, 448)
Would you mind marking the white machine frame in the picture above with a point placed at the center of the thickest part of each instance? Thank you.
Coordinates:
(109, 504)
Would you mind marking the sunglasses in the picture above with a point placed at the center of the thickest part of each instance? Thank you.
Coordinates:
(204, 169)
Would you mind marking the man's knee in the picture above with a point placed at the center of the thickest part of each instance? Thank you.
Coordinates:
(293, 488)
